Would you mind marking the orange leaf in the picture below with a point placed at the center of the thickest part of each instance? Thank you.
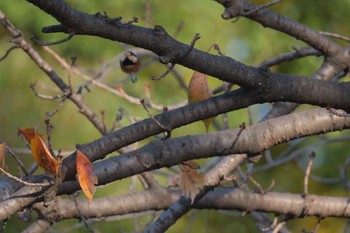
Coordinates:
(42, 154)
(86, 176)
(191, 182)
(28, 133)
(198, 90)
(2, 155)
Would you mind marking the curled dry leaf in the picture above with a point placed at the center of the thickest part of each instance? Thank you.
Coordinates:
(28, 133)
(40, 151)
(86, 176)
(43, 156)
(191, 181)
(198, 90)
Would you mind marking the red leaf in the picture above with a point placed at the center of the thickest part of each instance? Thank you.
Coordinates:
(86, 176)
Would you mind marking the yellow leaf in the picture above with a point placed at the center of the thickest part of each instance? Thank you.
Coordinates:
(86, 176)
(198, 90)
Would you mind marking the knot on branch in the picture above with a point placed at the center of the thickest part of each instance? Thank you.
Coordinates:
(233, 8)
(160, 31)
(265, 71)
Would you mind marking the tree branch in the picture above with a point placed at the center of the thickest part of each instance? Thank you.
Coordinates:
(220, 198)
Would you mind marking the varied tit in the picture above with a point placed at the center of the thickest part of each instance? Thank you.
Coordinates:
(130, 64)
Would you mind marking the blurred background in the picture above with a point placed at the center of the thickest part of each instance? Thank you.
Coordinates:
(244, 40)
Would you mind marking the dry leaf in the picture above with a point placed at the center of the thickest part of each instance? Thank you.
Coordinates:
(2, 155)
(28, 133)
(191, 182)
(40, 151)
(43, 156)
(198, 90)
(86, 176)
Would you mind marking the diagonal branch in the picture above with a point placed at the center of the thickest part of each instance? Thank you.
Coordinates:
(157, 40)
(44, 66)
(252, 140)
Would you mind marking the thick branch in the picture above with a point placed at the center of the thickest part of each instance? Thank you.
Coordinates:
(287, 89)
(156, 40)
(219, 198)
(252, 140)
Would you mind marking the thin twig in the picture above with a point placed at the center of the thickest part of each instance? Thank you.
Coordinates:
(8, 52)
(148, 13)
(241, 128)
(18, 161)
(272, 185)
(49, 128)
(265, 5)
(290, 56)
(216, 48)
(167, 129)
(58, 107)
(39, 42)
(193, 42)
(63, 98)
(278, 227)
(118, 118)
(150, 180)
(42, 96)
(335, 35)
(103, 119)
(308, 171)
(165, 73)
(82, 218)
(261, 190)
(179, 29)
(24, 182)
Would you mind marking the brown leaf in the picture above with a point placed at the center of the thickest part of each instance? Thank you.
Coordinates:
(86, 176)
(28, 133)
(43, 156)
(198, 90)
(2, 155)
(191, 182)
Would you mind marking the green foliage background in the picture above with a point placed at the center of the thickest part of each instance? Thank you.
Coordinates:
(244, 40)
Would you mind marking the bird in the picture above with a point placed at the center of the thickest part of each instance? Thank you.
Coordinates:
(130, 64)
